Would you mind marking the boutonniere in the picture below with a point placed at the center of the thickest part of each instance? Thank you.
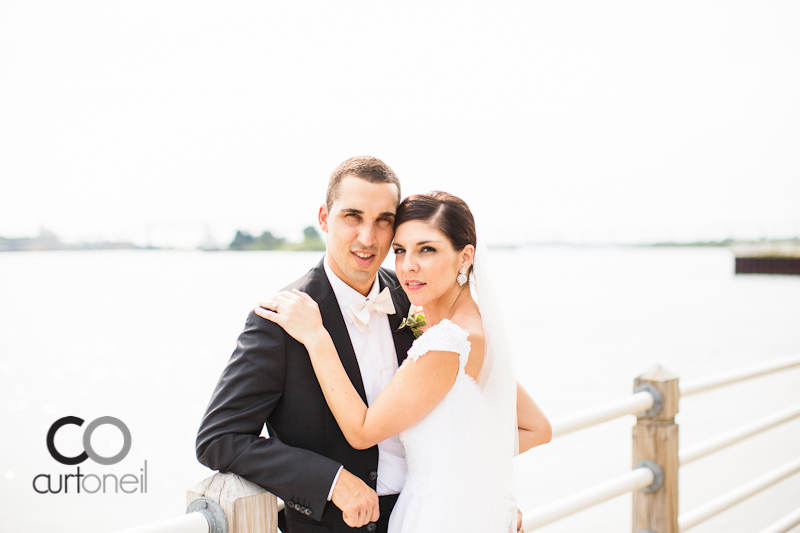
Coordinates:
(415, 320)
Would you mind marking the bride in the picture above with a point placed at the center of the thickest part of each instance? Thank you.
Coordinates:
(455, 402)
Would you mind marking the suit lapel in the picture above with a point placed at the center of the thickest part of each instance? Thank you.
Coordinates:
(402, 338)
(334, 322)
(319, 287)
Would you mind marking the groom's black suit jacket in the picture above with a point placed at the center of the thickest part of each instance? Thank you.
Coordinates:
(269, 379)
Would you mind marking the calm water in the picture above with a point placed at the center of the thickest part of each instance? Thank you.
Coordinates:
(143, 336)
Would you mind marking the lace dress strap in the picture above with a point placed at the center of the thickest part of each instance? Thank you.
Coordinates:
(444, 337)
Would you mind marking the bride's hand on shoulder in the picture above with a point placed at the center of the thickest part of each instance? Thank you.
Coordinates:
(296, 312)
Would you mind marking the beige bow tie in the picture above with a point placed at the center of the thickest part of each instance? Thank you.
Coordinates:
(360, 312)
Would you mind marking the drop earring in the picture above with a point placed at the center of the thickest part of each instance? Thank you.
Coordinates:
(462, 276)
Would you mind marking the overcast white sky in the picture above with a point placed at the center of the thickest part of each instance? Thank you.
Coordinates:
(582, 121)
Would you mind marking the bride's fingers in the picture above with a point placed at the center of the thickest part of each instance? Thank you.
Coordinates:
(276, 300)
(268, 304)
(267, 314)
(273, 304)
(286, 294)
(304, 296)
(294, 300)
(283, 302)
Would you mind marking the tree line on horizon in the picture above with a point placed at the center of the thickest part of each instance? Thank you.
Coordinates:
(312, 241)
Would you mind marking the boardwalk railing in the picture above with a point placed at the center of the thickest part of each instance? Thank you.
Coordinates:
(222, 503)
(227, 503)
(653, 480)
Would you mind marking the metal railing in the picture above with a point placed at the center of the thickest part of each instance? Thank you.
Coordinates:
(187, 523)
(641, 478)
(712, 508)
(728, 378)
(635, 479)
(737, 435)
(638, 402)
(784, 524)
(643, 400)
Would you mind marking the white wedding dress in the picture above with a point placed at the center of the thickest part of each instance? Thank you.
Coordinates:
(443, 450)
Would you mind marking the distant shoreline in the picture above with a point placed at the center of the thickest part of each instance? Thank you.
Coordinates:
(760, 248)
(243, 241)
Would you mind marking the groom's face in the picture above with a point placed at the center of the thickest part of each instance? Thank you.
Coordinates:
(360, 230)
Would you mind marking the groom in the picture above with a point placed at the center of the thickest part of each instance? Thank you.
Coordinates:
(325, 483)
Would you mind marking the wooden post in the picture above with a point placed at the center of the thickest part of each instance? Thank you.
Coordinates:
(655, 438)
(248, 508)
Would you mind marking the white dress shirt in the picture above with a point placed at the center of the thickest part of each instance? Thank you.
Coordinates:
(377, 361)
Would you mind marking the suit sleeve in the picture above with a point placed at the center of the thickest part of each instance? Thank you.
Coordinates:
(246, 394)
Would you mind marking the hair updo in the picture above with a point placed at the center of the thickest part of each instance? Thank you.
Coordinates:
(448, 214)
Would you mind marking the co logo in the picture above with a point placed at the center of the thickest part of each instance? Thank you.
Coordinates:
(87, 440)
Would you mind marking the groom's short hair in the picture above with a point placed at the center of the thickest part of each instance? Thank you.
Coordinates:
(367, 168)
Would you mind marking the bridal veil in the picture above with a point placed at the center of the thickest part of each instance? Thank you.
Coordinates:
(498, 384)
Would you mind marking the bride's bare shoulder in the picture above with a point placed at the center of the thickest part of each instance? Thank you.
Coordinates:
(472, 324)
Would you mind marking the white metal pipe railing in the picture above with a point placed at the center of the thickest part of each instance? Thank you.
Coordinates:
(694, 386)
(784, 524)
(187, 523)
(702, 513)
(736, 435)
(633, 480)
(641, 401)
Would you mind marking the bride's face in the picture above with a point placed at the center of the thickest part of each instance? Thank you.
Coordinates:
(426, 262)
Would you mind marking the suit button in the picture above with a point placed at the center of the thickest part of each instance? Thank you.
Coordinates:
(307, 511)
(290, 504)
(373, 476)
(371, 526)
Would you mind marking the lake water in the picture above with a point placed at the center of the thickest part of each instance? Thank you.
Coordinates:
(143, 335)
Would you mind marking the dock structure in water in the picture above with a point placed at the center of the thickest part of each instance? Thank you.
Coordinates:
(768, 258)
(768, 265)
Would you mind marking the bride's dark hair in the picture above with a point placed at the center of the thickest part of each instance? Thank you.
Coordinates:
(446, 213)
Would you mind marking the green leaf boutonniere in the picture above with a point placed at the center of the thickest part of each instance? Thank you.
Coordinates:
(415, 320)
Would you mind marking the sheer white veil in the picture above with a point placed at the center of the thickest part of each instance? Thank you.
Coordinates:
(498, 384)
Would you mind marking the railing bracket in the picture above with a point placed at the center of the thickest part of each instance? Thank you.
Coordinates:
(658, 400)
(658, 476)
(217, 523)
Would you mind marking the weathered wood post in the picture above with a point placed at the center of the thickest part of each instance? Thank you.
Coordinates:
(248, 508)
(655, 439)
